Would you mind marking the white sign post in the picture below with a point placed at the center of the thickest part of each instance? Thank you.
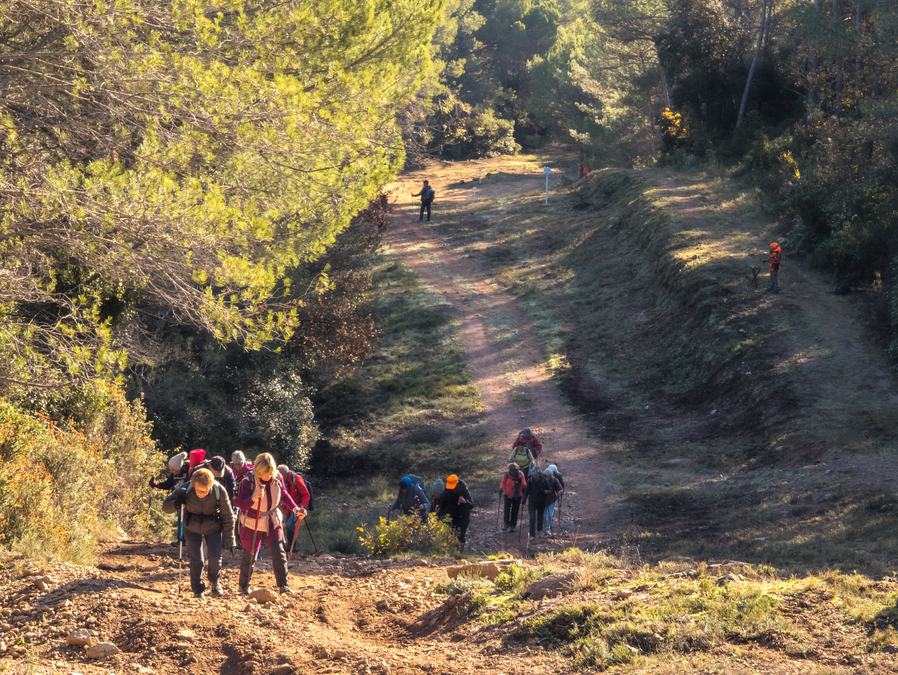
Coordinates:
(547, 171)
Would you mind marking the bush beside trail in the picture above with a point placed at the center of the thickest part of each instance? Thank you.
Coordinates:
(63, 488)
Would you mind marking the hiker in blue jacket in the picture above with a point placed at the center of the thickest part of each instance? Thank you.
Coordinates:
(411, 499)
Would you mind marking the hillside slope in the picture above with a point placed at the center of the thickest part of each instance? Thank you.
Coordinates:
(739, 423)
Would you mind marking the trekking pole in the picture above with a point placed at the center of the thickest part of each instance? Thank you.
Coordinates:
(312, 537)
(295, 534)
(560, 501)
(180, 547)
(527, 549)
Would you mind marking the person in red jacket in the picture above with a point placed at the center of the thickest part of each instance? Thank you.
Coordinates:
(513, 487)
(774, 258)
(299, 491)
(528, 438)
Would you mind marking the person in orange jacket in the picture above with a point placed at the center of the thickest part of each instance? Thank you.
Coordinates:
(774, 258)
(513, 487)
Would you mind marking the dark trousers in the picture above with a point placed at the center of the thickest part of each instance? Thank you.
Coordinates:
(460, 525)
(774, 280)
(425, 206)
(510, 512)
(195, 552)
(535, 513)
(278, 557)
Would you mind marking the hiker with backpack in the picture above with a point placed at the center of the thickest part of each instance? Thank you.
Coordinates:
(523, 457)
(239, 465)
(538, 489)
(529, 439)
(513, 487)
(177, 473)
(300, 492)
(223, 475)
(553, 477)
(411, 499)
(457, 504)
(436, 491)
(207, 518)
(262, 497)
(427, 194)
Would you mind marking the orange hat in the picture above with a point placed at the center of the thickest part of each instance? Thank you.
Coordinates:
(773, 244)
(451, 482)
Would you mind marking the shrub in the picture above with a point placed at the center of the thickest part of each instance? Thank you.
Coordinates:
(61, 487)
(406, 534)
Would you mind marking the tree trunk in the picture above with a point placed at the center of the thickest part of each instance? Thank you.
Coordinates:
(812, 62)
(762, 30)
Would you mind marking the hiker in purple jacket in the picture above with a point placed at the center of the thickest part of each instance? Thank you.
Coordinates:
(262, 498)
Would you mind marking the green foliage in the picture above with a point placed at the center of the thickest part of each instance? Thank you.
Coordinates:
(62, 488)
(170, 164)
(407, 534)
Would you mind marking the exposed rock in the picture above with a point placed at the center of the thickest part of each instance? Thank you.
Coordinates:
(284, 669)
(186, 634)
(550, 586)
(728, 578)
(101, 650)
(489, 570)
(263, 595)
(79, 638)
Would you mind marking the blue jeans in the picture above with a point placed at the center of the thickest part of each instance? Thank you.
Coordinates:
(547, 517)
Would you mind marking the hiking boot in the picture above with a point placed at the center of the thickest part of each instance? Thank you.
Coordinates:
(244, 590)
(217, 590)
(285, 589)
(199, 594)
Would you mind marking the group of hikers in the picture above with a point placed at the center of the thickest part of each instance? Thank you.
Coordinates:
(244, 504)
(225, 506)
(524, 482)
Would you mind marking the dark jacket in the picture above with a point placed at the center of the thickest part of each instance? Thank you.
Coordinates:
(449, 505)
(555, 487)
(172, 481)
(539, 488)
(204, 516)
(227, 478)
(411, 500)
(427, 194)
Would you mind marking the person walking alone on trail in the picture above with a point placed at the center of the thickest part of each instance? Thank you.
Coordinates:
(261, 497)
(523, 457)
(553, 476)
(208, 517)
(774, 259)
(537, 489)
(427, 194)
(456, 503)
(513, 488)
(410, 499)
(528, 438)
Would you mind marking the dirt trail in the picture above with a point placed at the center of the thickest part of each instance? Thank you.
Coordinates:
(506, 364)
(348, 615)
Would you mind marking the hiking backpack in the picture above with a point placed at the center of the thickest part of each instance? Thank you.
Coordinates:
(311, 506)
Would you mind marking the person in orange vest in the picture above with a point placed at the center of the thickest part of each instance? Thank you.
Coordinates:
(774, 258)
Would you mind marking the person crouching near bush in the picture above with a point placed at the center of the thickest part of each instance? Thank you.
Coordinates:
(261, 498)
(208, 517)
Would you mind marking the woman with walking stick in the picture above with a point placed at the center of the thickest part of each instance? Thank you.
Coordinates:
(262, 497)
